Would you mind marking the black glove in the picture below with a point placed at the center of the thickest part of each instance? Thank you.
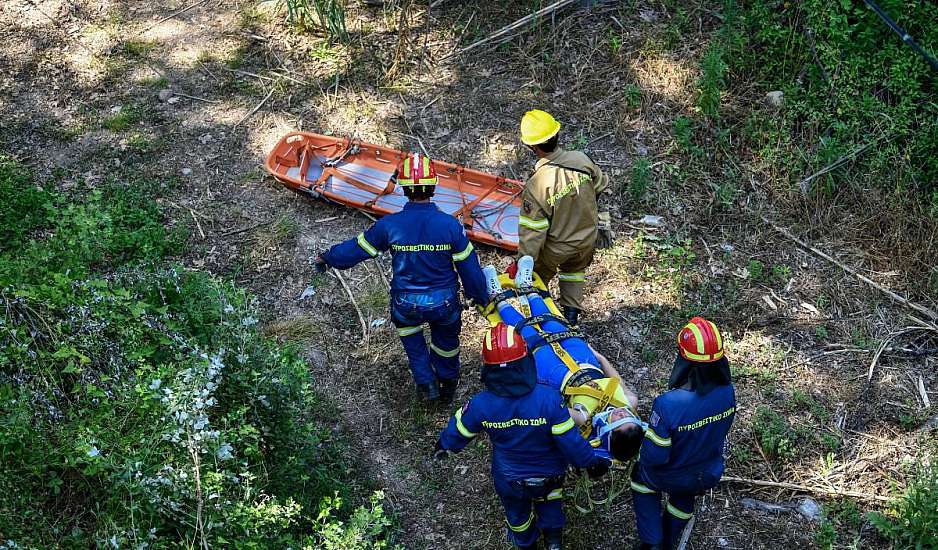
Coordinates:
(319, 264)
(598, 469)
(439, 453)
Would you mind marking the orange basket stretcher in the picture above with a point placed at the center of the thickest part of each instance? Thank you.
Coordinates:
(362, 175)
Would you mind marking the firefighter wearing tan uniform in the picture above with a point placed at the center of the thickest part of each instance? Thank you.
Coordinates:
(561, 221)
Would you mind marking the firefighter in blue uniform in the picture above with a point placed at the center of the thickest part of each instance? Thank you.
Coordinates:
(533, 439)
(682, 454)
(599, 402)
(426, 245)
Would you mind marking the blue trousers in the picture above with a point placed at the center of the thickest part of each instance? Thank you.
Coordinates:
(441, 310)
(666, 529)
(529, 509)
(551, 370)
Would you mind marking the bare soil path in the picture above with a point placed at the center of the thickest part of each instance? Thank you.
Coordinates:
(82, 99)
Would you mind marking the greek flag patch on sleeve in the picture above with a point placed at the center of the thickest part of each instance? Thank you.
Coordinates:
(653, 421)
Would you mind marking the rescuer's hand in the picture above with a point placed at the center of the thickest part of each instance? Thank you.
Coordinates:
(605, 236)
(439, 453)
(319, 264)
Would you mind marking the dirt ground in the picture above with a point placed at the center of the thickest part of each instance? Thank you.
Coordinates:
(80, 99)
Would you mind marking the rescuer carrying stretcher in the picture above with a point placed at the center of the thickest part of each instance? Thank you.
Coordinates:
(599, 402)
(533, 439)
(682, 454)
(428, 247)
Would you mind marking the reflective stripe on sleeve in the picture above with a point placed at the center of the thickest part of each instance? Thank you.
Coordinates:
(366, 246)
(462, 427)
(657, 439)
(562, 428)
(464, 254)
(534, 225)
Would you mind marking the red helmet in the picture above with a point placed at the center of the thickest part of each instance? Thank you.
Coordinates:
(416, 169)
(700, 341)
(502, 344)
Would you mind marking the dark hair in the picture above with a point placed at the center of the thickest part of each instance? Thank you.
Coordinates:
(624, 444)
(549, 145)
(418, 192)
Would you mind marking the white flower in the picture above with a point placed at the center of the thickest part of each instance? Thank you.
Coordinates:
(155, 384)
(93, 451)
(229, 308)
(224, 452)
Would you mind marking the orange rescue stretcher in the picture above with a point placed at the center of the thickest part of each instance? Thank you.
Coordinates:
(363, 176)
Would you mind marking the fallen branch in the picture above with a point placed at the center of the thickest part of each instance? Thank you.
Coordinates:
(256, 107)
(197, 224)
(176, 14)
(685, 534)
(852, 155)
(243, 229)
(805, 488)
(904, 301)
(514, 26)
(180, 94)
(351, 297)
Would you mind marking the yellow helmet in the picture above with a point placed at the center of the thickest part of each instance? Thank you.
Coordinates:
(537, 127)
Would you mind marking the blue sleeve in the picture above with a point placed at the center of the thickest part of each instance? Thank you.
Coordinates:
(463, 427)
(467, 265)
(353, 251)
(576, 449)
(656, 448)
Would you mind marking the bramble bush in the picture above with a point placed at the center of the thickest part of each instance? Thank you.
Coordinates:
(139, 405)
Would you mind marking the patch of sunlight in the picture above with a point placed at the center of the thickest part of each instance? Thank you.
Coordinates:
(671, 78)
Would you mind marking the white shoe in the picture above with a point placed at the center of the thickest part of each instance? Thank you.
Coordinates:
(491, 280)
(524, 278)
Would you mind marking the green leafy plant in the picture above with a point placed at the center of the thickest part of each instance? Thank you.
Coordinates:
(325, 15)
(640, 180)
(912, 519)
(712, 81)
(774, 433)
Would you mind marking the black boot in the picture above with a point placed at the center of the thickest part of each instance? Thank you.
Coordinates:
(572, 315)
(646, 546)
(428, 392)
(448, 390)
(553, 539)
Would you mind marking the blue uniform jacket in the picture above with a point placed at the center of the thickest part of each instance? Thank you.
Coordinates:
(687, 433)
(425, 244)
(532, 435)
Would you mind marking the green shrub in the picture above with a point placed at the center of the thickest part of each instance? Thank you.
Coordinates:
(24, 207)
(912, 519)
(140, 403)
(848, 80)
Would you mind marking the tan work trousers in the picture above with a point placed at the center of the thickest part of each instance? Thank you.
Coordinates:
(570, 269)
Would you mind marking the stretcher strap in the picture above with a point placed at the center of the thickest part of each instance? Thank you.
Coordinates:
(555, 337)
(605, 397)
(538, 319)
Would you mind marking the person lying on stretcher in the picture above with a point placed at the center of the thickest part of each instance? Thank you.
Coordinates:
(599, 403)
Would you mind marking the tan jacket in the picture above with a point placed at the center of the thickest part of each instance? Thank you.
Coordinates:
(559, 204)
